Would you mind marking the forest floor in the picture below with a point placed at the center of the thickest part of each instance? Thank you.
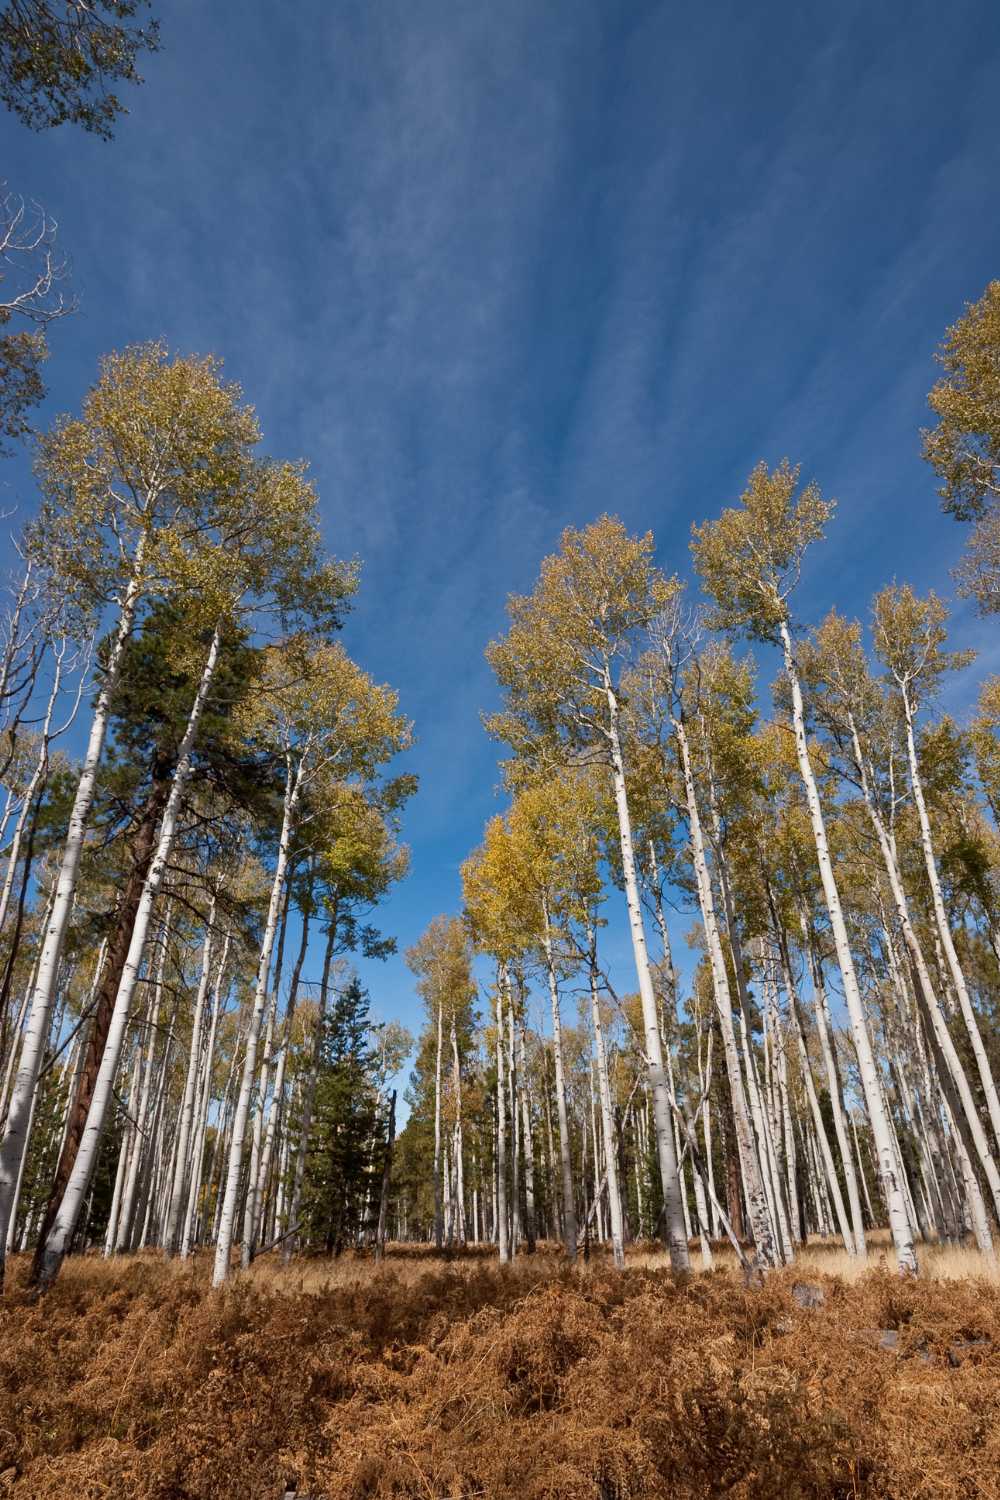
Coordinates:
(437, 1377)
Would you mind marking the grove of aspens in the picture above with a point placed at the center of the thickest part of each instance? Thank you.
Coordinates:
(730, 1227)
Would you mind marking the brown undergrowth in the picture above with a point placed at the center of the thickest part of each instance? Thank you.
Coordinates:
(420, 1378)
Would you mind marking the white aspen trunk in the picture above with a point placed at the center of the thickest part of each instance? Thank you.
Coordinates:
(17, 1034)
(251, 1205)
(891, 1185)
(758, 1211)
(673, 1203)
(461, 1229)
(275, 1116)
(819, 1124)
(924, 990)
(836, 1097)
(944, 929)
(607, 1113)
(204, 1104)
(122, 1238)
(556, 1219)
(130, 1143)
(526, 1136)
(438, 1186)
(562, 1113)
(502, 1227)
(15, 1134)
(181, 1173)
(227, 1216)
(38, 777)
(515, 1128)
(68, 1213)
(779, 1063)
(309, 1093)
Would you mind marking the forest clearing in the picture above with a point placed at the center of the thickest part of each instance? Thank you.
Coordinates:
(499, 868)
(454, 1378)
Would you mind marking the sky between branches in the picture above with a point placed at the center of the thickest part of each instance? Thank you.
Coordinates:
(496, 268)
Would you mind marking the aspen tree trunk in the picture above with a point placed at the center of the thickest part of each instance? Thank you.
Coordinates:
(438, 1186)
(171, 1231)
(309, 1095)
(562, 1114)
(278, 1094)
(835, 1093)
(607, 1113)
(227, 1218)
(66, 1219)
(892, 1187)
(15, 1134)
(555, 1216)
(130, 1142)
(383, 1202)
(966, 1109)
(819, 1124)
(502, 1226)
(251, 1201)
(673, 1204)
(39, 777)
(461, 1228)
(526, 1136)
(784, 1113)
(761, 1226)
(201, 1116)
(122, 1237)
(944, 929)
(143, 846)
(515, 1127)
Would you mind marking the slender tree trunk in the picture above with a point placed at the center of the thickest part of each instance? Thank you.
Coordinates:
(15, 1134)
(562, 1113)
(118, 949)
(66, 1219)
(761, 1226)
(530, 1226)
(502, 1226)
(227, 1220)
(383, 1202)
(201, 1114)
(607, 1113)
(891, 1185)
(171, 1233)
(669, 1175)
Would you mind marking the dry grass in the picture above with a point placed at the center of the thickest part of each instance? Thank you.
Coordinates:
(458, 1379)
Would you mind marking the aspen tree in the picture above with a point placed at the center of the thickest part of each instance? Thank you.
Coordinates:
(750, 560)
(560, 666)
(324, 716)
(909, 635)
(964, 447)
(849, 704)
(660, 690)
(127, 490)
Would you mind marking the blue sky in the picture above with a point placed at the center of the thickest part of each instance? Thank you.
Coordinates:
(496, 268)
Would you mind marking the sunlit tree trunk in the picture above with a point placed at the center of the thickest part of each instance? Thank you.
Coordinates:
(607, 1113)
(673, 1205)
(761, 1225)
(944, 930)
(891, 1184)
(15, 1133)
(502, 1226)
(172, 1228)
(227, 1217)
(562, 1113)
(66, 1219)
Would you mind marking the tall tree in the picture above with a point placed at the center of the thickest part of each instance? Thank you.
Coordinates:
(560, 666)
